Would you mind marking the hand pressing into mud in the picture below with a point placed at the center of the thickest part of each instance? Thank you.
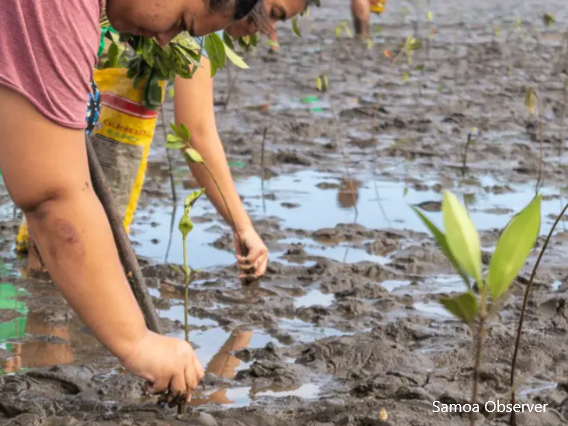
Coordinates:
(168, 364)
(252, 255)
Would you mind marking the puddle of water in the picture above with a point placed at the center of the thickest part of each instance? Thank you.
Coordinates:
(535, 388)
(243, 396)
(339, 253)
(391, 285)
(33, 342)
(314, 298)
(432, 310)
(381, 204)
(429, 285)
(305, 332)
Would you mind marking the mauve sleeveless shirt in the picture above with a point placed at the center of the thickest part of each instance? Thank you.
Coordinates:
(48, 50)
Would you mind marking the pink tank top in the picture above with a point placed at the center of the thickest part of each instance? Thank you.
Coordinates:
(48, 50)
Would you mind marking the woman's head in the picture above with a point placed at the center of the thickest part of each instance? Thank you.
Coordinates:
(164, 19)
(265, 15)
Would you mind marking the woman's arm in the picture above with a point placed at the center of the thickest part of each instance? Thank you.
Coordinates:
(46, 172)
(193, 102)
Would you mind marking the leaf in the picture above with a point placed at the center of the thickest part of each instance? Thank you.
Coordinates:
(441, 88)
(463, 306)
(234, 58)
(529, 99)
(295, 27)
(194, 156)
(462, 237)
(497, 31)
(176, 130)
(174, 142)
(185, 131)
(420, 68)
(192, 198)
(228, 41)
(514, 245)
(185, 225)
(548, 19)
(213, 69)
(215, 49)
(347, 29)
(338, 30)
(430, 16)
(442, 242)
(405, 77)
(175, 268)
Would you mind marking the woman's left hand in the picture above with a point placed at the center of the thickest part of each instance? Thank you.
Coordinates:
(252, 254)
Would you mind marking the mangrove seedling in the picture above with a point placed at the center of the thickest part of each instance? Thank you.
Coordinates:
(532, 98)
(185, 227)
(322, 84)
(181, 140)
(470, 141)
(461, 245)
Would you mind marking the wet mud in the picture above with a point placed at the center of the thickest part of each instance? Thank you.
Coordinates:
(347, 320)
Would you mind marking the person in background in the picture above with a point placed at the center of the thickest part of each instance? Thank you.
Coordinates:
(44, 162)
(194, 106)
(360, 12)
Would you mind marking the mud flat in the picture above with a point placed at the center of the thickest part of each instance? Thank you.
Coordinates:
(347, 320)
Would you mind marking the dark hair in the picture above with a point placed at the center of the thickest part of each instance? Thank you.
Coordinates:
(244, 7)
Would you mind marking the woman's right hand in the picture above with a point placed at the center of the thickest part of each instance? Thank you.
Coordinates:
(168, 364)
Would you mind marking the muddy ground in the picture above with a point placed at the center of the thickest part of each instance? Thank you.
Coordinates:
(346, 321)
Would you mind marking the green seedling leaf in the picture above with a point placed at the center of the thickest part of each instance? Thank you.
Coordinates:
(441, 88)
(462, 237)
(530, 99)
(548, 19)
(185, 225)
(347, 29)
(194, 156)
(322, 83)
(215, 50)
(192, 198)
(185, 132)
(228, 41)
(513, 247)
(234, 58)
(176, 130)
(420, 68)
(430, 16)
(175, 268)
(295, 27)
(405, 77)
(463, 306)
(174, 142)
(442, 242)
(338, 30)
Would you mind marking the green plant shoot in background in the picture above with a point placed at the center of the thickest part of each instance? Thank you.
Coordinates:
(181, 140)
(461, 245)
(185, 227)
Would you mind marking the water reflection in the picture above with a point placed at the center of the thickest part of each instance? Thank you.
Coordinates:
(51, 344)
(348, 194)
(224, 364)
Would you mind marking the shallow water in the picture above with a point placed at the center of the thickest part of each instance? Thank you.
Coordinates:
(381, 204)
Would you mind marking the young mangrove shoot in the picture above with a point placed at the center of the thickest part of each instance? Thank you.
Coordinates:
(461, 245)
(181, 139)
(185, 227)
